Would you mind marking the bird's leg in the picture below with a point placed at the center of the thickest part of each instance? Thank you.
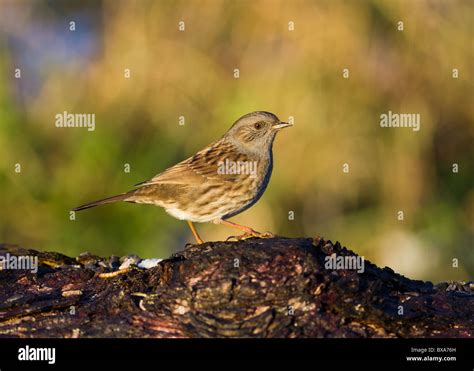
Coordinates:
(248, 232)
(195, 233)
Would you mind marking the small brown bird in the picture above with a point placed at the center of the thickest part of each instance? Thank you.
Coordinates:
(218, 182)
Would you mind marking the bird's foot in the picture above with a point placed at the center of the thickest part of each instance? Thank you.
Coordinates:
(252, 234)
(192, 244)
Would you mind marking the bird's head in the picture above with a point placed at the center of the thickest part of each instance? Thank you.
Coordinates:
(256, 131)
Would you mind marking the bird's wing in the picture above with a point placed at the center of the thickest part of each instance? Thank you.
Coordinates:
(202, 167)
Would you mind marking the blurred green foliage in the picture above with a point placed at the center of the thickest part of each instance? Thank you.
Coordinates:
(291, 73)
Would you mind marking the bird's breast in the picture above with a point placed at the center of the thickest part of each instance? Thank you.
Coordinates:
(247, 190)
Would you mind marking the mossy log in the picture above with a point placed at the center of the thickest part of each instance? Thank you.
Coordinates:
(277, 287)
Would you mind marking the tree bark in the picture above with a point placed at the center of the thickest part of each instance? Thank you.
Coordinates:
(276, 287)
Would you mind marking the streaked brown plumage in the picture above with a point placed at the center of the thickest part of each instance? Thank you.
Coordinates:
(199, 189)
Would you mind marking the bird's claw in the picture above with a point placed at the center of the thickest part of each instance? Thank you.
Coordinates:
(239, 238)
(267, 235)
(253, 234)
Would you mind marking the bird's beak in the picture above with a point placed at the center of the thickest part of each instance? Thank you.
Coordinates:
(281, 125)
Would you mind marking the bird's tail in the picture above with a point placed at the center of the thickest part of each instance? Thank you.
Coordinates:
(108, 200)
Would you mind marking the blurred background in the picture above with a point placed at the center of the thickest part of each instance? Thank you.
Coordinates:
(291, 57)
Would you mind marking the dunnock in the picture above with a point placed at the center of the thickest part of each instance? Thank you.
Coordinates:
(218, 182)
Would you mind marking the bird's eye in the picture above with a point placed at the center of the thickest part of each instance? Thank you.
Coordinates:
(258, 125)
